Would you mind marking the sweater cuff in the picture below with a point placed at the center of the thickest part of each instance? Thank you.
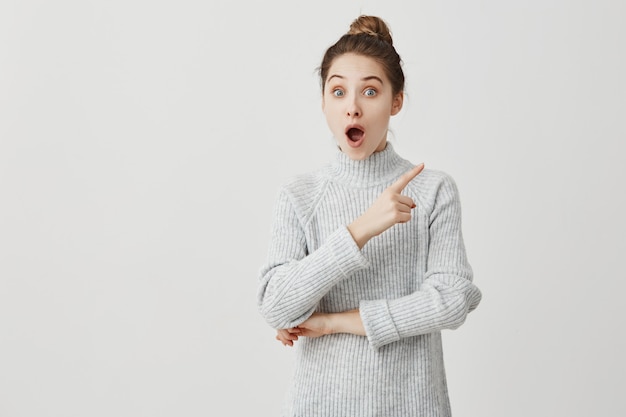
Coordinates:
(345, 252)
(378, 324)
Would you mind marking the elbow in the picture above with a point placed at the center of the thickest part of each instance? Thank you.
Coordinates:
(457, 320)
(280, 315)
(269, 310)
(283, 319)
(455, 315)
(271, 316)
(268, 301)
(457, 312)
(274, 322)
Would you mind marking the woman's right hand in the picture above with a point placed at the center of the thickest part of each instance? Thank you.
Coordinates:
(287, 336)
(390, 208)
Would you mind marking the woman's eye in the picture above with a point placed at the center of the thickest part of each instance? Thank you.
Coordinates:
(370, 92)
(338, 93)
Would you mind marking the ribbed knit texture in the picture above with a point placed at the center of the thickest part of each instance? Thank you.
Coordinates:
(410, 282)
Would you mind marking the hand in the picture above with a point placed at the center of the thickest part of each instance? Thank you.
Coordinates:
(319, 324)
(315, 326)
(287, 336)
(322, 324)
(390, 208)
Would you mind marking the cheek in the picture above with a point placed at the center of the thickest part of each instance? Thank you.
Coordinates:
(383, 113)
(331, 118)
(331, 112)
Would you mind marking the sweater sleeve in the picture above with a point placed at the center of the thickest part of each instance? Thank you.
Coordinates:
(447, 293)
(293, 281)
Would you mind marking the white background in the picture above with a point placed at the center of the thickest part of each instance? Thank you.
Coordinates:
(142, 144)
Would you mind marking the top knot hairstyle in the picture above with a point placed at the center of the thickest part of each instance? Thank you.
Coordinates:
(368, 36)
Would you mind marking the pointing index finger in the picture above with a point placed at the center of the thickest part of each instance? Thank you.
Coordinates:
(406, 178)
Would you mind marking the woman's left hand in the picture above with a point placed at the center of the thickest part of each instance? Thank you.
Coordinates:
(319, 324)
(287, 336)
(322, 324)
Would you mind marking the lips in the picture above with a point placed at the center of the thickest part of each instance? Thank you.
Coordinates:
(355, 135)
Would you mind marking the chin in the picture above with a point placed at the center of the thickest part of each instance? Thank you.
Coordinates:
(357, 154)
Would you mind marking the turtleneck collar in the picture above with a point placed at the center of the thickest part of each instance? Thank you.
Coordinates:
(379, 168)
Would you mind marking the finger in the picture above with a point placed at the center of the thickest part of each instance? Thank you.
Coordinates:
(285, 342)
(281, 334)
(406, 178)
(402, 208)
(281, 340)
(285, 335)
(404, 217)
(294, 330)
(407, 201)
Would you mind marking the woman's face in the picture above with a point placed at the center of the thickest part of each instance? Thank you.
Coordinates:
(358, 101)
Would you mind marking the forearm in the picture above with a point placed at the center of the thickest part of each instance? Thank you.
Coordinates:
(347, 322)
(323, 324)
(441, 303)
(290, 290)
(359, 231)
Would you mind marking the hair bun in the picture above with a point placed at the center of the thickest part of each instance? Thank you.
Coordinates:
(371, 25)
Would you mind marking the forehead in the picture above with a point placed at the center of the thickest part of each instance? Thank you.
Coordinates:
(355, 67)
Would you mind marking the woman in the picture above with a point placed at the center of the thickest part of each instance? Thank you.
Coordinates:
(366, 263)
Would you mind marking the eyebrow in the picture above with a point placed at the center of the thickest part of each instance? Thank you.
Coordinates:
(369, 77)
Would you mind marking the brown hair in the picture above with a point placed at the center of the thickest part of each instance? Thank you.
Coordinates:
(368, 36)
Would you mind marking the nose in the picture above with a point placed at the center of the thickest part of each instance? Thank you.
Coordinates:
(354, 108)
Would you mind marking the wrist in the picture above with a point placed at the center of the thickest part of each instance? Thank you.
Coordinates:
(359, 233)
(347, 322)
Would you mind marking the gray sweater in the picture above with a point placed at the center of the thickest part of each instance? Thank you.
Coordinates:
(410, 282)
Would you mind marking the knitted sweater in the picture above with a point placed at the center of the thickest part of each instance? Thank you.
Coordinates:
(410, 282)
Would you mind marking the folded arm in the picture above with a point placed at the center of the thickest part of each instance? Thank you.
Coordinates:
(447, 293)
(293, 281)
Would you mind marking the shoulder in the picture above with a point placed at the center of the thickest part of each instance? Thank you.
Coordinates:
(303, 191)
(433, 179)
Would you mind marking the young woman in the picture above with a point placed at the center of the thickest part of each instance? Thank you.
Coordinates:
(366, 262)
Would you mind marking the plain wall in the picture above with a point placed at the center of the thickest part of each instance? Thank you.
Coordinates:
(142, 144)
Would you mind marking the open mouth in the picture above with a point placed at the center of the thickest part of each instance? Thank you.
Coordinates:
(355, 134)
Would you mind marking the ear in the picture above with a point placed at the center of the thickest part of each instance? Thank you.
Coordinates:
(396, 104)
